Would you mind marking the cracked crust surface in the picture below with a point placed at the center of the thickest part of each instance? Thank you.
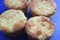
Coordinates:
(12, 20)
(39, 27)
(42, 7)
(16, 4)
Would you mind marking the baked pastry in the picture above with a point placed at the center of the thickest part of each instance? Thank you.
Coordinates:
(12, 21)
(42, 7)
(39, 28)
(17, 4)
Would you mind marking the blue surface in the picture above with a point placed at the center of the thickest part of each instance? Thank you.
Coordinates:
(55, 19)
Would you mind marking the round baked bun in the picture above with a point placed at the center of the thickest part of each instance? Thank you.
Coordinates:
(39, 28)
(42, 7)
(12, 21)
(17, 4)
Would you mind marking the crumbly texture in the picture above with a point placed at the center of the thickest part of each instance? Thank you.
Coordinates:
(39, 27)
(12, 20)
(16, 4)
(43, 7)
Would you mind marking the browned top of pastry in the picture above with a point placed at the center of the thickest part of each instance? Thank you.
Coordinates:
(18, 4)
(43, 7)
(12, 20)
(39, 27)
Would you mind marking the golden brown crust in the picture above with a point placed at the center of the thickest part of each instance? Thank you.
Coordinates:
(33, 14)
(34, 6)
(20, 4)
(12, 5)
(12, 21)
(18, 24)
(38, 30)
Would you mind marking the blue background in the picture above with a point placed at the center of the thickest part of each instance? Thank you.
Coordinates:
(55, 19)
